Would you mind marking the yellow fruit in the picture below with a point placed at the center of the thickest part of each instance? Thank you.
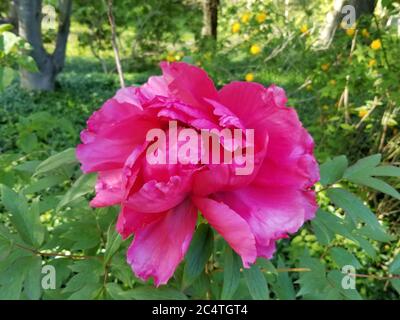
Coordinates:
(236, 27)
(372, 63)
(245, 17)
(255, 49)
(362, 113)
(261, 17)
(171, 57)
(309, 87)
(304, 28)
(376, 44)
(332, 82)
(350, 32)
(249, 77)
(365, 33)
(325, 67)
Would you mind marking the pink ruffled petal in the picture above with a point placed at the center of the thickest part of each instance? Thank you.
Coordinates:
(160, 246)
(130, 95)
(155, 86)
(289, 160)
(189, 84)
(248, 101)
(110, 147)
(271, 212)
(232, 227)
(225, 177)
(108, 189)
(155, 196)
(129, 220)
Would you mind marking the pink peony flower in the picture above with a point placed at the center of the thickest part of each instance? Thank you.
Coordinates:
(160, 202)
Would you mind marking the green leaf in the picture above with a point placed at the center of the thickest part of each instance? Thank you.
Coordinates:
(374, 234)
(314, 282)
(335, 224)
(28, 166)
(5, 27)
(151, 293)
(32, 283)
(365, 164)
(6, 246)
(396, 284)
(333, 170)
(376, 184)
(7, 76)
(17, 205)
(283, 287)
(114, 241)
(354, 207)
(198, 254)
(395, 265)
(66, 157)
(11, 281)
(81, 187)
(27, 141)
(256, 283)
(366, 246)
(27, 63)
(324, 236)
(88, 292)
(342, 257)
(37, 229)
(232, 266)
(10, 41)
(386, 171)
(42, 184)
(116, 292)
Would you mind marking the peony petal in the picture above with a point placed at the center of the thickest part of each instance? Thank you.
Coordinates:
(247, 101)
(271, 212)
(129, 95)
(232, 227)
(160, 246)
(189, 84)
(155, 86)
(289, 160)
(224, 177)
(110, 113)
(108, 189)
(129, 220)
(111, 146)
(155, 196)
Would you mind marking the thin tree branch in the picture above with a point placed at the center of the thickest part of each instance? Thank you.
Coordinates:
(115, 43)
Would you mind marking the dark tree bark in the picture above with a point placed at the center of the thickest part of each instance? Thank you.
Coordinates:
(29, 20)
(362, 7)
(210, 18)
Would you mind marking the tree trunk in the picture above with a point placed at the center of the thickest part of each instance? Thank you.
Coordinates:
(29, 20)
(362, 7)
(210, 18)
